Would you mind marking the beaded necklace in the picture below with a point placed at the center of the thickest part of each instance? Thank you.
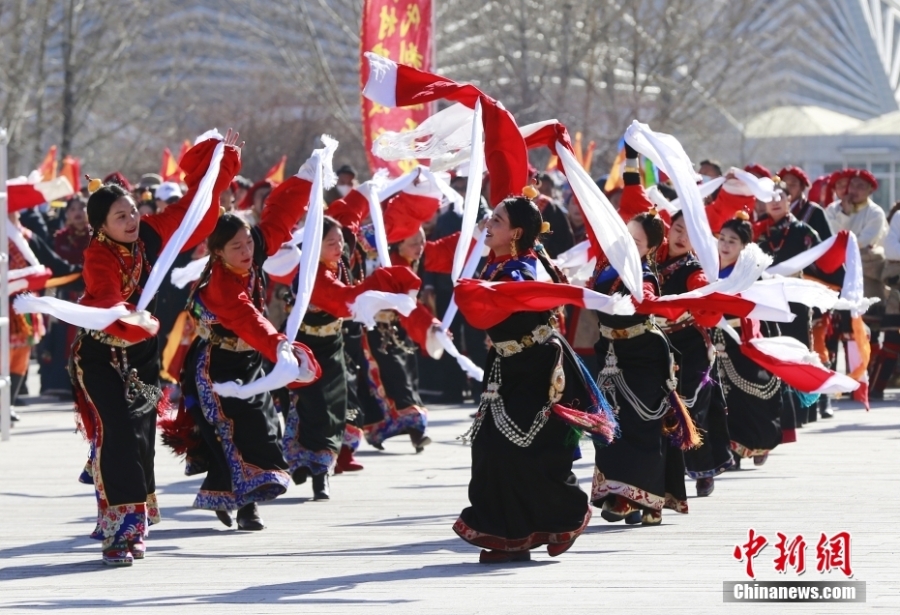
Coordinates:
(131, 280)
(784, 228)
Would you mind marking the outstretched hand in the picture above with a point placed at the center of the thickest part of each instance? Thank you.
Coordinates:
(231, 139)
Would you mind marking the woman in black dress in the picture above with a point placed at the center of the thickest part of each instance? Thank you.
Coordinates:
(679, 272)
(753, 395)
(523, 493)
(115, 371)
(641, 473)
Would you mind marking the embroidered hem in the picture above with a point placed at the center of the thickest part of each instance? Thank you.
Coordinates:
(601, 488)
(715, 471)
(249, 482)
(673, 503)
(352, 437)
(533, 540)
(318, 462)
(396, 423)
(228, 500)
(745, 452)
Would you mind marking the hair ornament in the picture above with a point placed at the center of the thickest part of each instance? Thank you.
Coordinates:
(530, 192)
(742, 215)
(146, 196)
(93, 184)
(545, 227)
(652, 212)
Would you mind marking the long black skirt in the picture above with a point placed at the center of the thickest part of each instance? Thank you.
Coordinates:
(525, 497)
(754, 400)
(317, 414)
(392, 377)
(244, 463)
(702, 394)
(118, 415)
(641, 466)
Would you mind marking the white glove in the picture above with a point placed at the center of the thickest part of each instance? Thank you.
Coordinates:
(142, 319)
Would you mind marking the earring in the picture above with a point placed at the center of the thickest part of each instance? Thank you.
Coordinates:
(512, 248)
(101, 236)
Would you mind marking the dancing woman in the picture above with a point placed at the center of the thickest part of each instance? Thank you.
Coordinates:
(523, 493)
(115, 371)
(241, 444)
(641, 472)
(753, 395)
(679, 272)
(316, 415)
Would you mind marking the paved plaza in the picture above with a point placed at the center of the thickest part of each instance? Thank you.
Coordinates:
(384, 543)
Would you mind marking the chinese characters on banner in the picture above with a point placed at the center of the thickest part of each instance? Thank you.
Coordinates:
(400, 30)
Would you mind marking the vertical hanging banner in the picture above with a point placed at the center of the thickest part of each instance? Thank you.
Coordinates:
(401, 30)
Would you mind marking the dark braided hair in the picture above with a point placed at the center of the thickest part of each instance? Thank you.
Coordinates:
(101, 201)
(227, 227)
(523, 213)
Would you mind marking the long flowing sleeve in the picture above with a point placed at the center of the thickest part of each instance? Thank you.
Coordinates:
(156, 229)
(285, 205)
(350, 211)
(226, 296)
(335, 297)
(438, 256)
(419, 323)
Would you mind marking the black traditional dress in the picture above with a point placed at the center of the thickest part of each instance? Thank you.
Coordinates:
(115, 372)
(783, 240)
(317, 414)
(242, 437)
(695, 356)
(522, 491)
(753, 395)
(637, 378)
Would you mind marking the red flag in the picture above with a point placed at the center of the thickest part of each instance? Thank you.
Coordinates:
(403, 32)
(169, 170)
(48, 165)
(71, 170)
(276, 173)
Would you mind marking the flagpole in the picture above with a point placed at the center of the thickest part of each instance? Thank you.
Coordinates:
(5, 419)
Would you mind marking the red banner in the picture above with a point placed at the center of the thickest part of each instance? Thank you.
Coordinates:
(401, 30)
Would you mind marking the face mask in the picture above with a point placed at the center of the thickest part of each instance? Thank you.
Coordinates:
(705, 179)
(344, 190)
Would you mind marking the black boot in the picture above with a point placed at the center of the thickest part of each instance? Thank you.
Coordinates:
(15, 385)
(225, 517)
(248, 518)
(320, 487)
(299, 475)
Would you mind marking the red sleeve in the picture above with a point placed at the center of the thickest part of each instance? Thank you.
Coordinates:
(227, 298)
(634, 201)
(195, 164)
(418, 323)
(285, 205)
(704, 318)
(335, 297)
(350, 211)
(439, 254)
(103, 289)
(725, 206)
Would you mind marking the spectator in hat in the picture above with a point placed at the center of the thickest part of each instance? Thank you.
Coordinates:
(346, 181)
(166, 194)
(149, 180)
(797, 183)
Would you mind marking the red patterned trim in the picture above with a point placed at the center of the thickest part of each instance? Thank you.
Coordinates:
(673, 503)
(601, 488)
(535, 539)
(745, 452)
